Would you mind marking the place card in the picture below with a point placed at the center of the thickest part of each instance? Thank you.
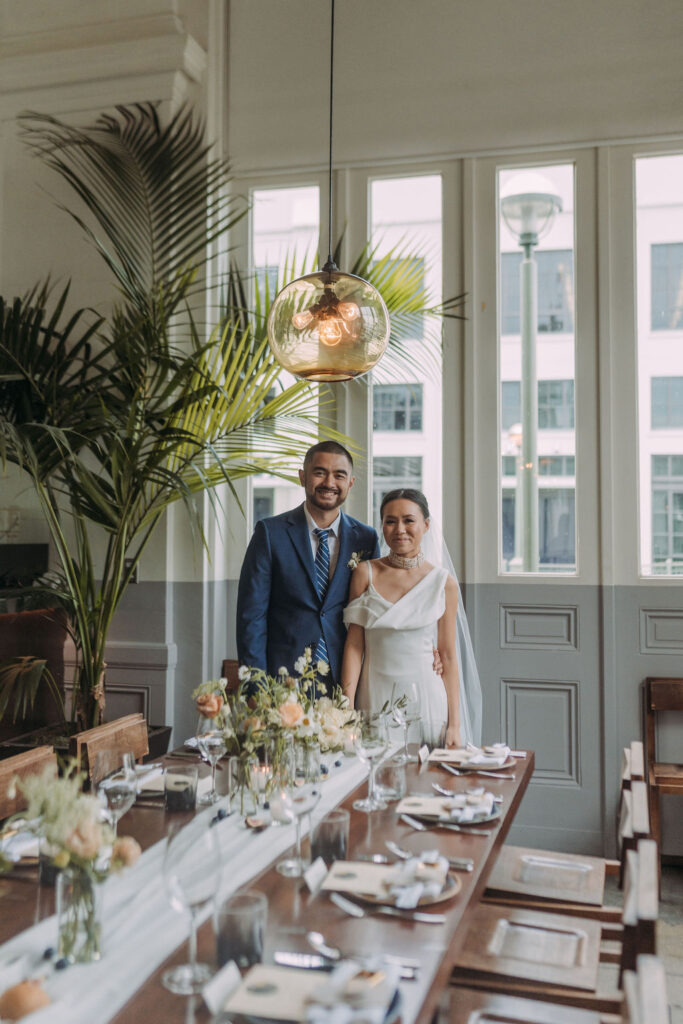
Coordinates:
(315, 875)
(276, 993)
(156, 785)
(429, 806)
(360, 877)
(423, 753)
(221, 987)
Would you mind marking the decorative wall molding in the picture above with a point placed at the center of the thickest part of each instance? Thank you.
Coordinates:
(543, 716)
(539, 627)
(137, 677)
(661, 631)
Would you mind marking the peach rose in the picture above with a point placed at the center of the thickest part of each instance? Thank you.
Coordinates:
(290, 714)
(253, 723)
(85, 840)
(209, 704)
(125, 852)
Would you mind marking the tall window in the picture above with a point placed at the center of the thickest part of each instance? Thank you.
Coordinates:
(397, 407)
(555, 291)
(667, 402)
(284, 227)
(405, 215)
(667, 514)
(667, 286)
(659, 296)
(538, 531)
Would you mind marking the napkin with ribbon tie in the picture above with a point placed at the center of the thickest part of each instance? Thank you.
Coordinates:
(472, 807)
(420, 876)
(350, 995)
(494, 756)
(21, 844)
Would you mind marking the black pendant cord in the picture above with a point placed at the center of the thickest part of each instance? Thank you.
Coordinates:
(330, 261)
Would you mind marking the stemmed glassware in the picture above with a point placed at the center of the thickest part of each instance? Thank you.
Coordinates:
(119, 790)
(211, 744)
(370, 740)
(407, 714)
(192, 872)
(287, 805)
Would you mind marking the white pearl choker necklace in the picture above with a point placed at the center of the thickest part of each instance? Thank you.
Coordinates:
(405, 563)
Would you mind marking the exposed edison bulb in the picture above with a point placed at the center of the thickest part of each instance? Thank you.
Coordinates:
(330, 331)
(349, 310)
(301, 320)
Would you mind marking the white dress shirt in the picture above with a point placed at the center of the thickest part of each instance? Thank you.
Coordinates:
(332, 538)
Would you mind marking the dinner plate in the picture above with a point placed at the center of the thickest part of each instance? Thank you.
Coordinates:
(448, 820)
(452, 887)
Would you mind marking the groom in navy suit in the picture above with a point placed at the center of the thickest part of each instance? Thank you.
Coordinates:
(294, 583)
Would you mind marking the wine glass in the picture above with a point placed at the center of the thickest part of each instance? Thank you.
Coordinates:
(211, 744)
(192, 873)
(287, 805)
(370, 740)
(406, 715)
(119, 790)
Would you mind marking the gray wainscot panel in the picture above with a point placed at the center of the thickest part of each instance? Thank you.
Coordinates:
(542, 716)
(539, 627)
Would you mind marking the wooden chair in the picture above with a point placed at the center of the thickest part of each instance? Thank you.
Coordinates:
(645, 992)
(110, 741)
(632, 764)
(555, 957)
(660, 695)
(31, 762)
(229, 670)
(571, 883)
(645, 1002)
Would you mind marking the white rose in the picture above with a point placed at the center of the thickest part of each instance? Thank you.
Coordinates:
(300, 665)
(282, 671)
(323, 668)
(243, 673)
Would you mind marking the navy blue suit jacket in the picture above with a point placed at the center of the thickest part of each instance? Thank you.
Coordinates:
(279, 612)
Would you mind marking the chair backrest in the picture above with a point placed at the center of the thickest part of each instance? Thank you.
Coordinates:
(641, 903)
(660, 695)
(632, 764)
(110, 740)
(31, 762)
(230, 671)
(634, 816)
(645, 992)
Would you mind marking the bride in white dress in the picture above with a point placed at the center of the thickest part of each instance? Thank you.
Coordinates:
(400, 607)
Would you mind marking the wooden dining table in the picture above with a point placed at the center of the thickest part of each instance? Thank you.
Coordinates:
(293, 910)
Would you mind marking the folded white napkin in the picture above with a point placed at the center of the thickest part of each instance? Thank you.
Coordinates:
(472, 807)
(495, 755)
(416, 878)
(22, 844)
(347, 997)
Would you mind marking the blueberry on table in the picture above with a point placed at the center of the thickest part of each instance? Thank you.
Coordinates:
(337, 764)
(49, 953)
(61, 964)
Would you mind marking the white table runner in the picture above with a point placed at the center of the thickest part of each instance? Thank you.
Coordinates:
(140, 929)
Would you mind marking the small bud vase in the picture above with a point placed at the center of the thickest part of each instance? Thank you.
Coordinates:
(79, 912)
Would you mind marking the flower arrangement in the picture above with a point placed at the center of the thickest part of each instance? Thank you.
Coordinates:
(80, 842)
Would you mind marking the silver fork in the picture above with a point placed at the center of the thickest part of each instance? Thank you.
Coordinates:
(477, 771)
(420, 826)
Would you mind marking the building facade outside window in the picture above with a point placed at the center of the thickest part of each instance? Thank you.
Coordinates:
(555, 291)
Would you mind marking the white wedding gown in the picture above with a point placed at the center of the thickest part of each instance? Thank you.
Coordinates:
(399, 645)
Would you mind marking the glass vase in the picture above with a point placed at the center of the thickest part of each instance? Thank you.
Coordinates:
(307, 762)
(79, 916)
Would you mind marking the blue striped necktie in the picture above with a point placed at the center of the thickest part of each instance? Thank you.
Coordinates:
(322, 579)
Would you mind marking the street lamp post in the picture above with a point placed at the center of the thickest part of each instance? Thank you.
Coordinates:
(515, 438)
(528, 206)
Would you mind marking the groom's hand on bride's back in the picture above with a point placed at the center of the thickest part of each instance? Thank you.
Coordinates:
(437, 665)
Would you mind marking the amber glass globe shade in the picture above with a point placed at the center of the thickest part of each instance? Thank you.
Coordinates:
(328, 326)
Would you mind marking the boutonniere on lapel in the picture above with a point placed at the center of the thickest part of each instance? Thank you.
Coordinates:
(356, 557)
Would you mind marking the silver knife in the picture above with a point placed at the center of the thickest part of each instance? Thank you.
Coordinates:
(313, 962)
(372, 908)
(477, 771)
(449, 826)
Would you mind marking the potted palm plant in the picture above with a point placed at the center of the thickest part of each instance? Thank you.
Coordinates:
(115, 418)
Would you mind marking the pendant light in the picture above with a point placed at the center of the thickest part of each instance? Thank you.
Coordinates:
(328, 326)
